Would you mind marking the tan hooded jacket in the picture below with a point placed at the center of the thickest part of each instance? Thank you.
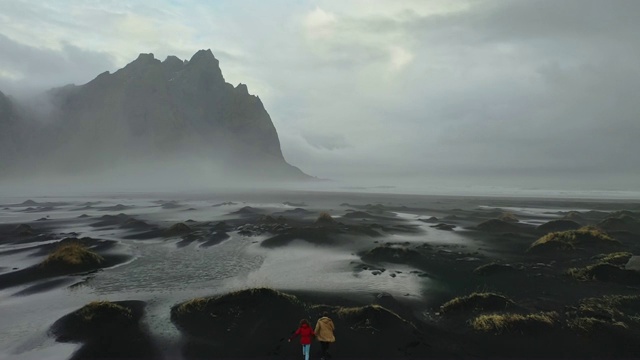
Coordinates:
(324, 330)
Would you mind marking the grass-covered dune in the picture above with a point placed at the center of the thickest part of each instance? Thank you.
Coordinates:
(257, 322)
(69, 256)
(586, 238)
(72, 256)
(608, 268)
(477, 301)
(107, 330)
(495, 326)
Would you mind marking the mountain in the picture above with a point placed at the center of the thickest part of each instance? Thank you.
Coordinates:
(14, 133)
(152, 113)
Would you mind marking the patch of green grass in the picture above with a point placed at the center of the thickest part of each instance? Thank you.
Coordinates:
(72, 254)
(569, 240)
(484, 301)
(510, 323)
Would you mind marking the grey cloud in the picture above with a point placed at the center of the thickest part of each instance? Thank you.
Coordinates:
(326, 142)
(41, 68)
(550, 93)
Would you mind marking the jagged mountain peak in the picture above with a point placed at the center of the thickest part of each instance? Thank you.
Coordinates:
(152, 110)
(173, 60)
(204, 56)
(242, 89)
(144, 60)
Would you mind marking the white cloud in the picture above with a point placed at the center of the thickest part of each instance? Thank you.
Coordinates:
(399, 57)
(320, 23)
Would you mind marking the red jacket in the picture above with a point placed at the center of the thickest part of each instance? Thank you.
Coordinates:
(306, 332)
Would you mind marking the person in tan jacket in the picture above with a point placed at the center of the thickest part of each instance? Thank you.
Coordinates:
(324, 334)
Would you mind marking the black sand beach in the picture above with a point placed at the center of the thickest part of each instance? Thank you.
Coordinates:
(402, 276)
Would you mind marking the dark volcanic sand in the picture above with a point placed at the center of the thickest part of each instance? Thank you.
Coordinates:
(376, 249)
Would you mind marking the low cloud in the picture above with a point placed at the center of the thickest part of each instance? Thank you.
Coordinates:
(27, 68)
(326, 142)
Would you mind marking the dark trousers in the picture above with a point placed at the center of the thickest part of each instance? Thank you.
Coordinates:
(324, 349)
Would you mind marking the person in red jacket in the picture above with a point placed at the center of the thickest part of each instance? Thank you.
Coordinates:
(306, 332)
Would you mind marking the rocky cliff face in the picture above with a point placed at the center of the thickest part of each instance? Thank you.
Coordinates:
(163, 112)
(13, 133)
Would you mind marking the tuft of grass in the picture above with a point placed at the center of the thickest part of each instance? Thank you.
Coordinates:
(611, 314)
(605, 272)
(590, 324)
(610, 307)
(569, 240)
(581, 274)
(370, 318)
(72, 254)
(103, 309)
(477, 301)
(508, 217)
(325, 218)
(492, 268)
(617, 258)
(192, 306)
(514, 323)
(198, 305)
(343, 312)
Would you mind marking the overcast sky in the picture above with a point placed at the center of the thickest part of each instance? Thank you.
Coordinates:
(539, 93)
